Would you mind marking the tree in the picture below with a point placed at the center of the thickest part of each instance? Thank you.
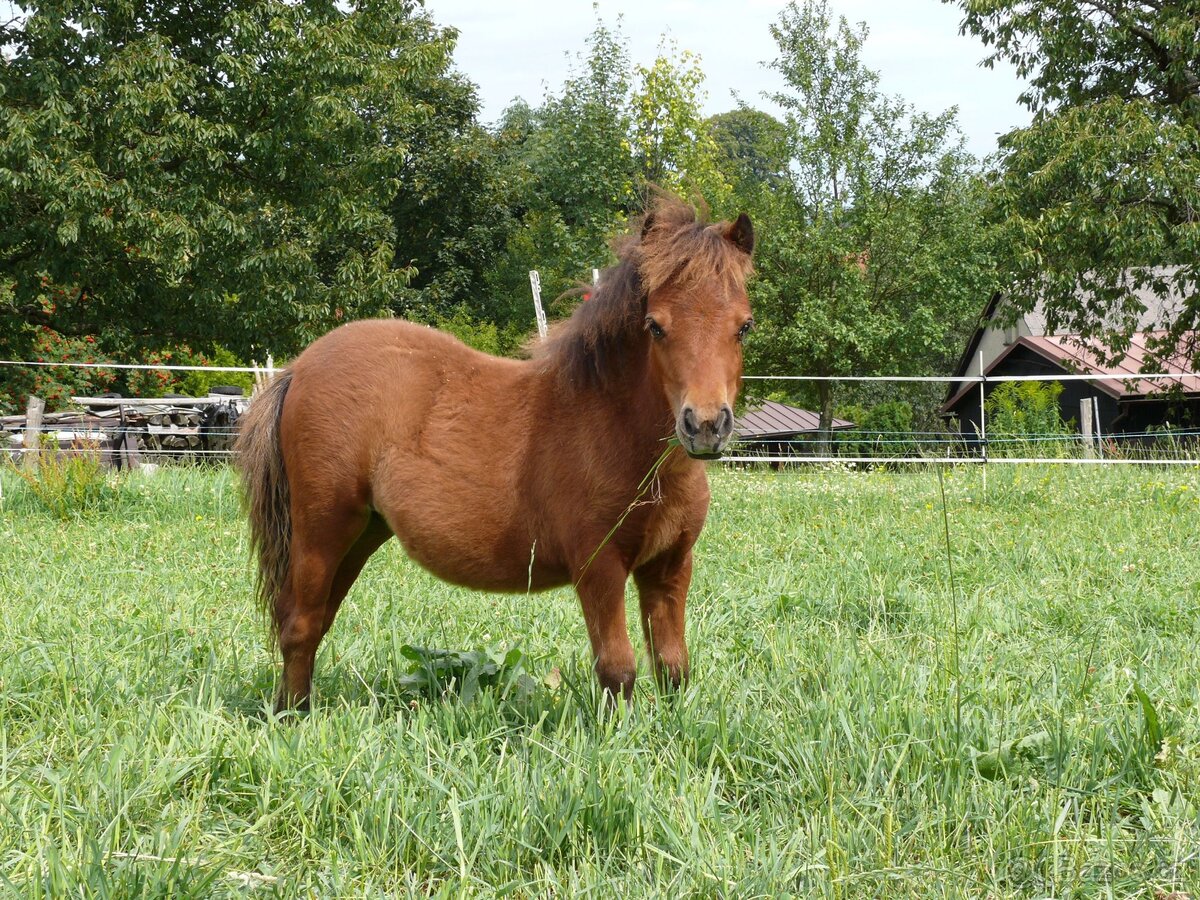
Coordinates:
(451, 215)
(671, 146)
(569, 174)
(221, 176)
(1104, 184)
(752, 150)
(874, 257)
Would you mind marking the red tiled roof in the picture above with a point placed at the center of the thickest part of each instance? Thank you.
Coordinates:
(1068, 353)
(779, 420)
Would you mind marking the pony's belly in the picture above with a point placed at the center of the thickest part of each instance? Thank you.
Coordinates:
(479, 563)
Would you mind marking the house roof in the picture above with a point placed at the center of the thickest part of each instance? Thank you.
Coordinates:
(777, 420)
(1154, 310)
(1069, 353)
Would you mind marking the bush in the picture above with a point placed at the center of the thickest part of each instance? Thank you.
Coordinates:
(1024, 413)
(70, 483)
(198, 384)
(157, 382)
(483, 336)
(54, 384)
(883, 430)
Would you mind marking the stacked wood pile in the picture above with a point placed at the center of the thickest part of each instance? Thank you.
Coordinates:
(170, 433)
(126, 432)
(65, 432)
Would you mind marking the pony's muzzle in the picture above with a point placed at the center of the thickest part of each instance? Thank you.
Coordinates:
(704, 436)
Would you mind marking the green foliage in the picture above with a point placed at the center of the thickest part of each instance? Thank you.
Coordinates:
(884, 429)
(569, 166)
(222, 176)
(54, 384)
(672, 147)
(752, 151)
(1023, 411)
(482, 335)
(436, 673)
(69, 483)
(1105, 182)
(198, 384)
(872, 259)
(454, 212)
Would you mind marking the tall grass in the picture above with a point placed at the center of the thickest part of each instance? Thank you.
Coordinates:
(815, 753)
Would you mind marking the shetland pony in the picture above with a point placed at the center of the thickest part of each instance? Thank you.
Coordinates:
(509, 475)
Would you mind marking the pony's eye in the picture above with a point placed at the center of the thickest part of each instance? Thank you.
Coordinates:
(745, 329)
(655, 329)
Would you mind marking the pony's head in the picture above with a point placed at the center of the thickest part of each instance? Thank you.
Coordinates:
(676, 301)
(696, 313)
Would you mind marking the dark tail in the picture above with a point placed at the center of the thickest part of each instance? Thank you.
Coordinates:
(265, 494)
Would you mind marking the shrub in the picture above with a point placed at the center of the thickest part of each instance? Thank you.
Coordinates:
(198, 384)
(70, 483)
(1020, 413)
(54, 384)
(483, 336)
(884, 429)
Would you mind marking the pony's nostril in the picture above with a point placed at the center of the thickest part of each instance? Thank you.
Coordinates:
(725, 422)
(690, 426)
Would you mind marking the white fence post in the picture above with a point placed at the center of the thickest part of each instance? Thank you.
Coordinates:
(535, 284)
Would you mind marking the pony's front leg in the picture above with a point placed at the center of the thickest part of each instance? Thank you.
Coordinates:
(662, 593)
(601, 589)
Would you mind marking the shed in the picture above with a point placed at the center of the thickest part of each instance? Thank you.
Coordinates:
(776, 427)
(1125, 403)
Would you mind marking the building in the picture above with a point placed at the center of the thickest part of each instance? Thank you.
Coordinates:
(776, 429)
(1124, 403)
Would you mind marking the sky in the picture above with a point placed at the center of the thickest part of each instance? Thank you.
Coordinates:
(521, 48)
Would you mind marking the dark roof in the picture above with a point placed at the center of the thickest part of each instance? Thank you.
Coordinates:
(1068, 353)
(777, 420)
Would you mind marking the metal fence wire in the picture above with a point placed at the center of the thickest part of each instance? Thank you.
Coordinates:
(181, 433)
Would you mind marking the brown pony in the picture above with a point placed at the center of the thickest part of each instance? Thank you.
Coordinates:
(508, 475)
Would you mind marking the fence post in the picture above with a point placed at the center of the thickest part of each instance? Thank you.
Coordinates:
(535, 285)
(33, 431)
(128, 448)
(1085, 427)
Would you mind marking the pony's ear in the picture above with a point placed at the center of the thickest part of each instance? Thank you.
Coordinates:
(741, 234)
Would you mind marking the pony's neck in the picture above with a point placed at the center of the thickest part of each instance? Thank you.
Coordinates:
(638, 404)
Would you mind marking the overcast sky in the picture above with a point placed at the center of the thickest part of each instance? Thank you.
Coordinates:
(519, 48)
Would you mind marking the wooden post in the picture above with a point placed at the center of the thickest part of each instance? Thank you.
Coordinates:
(33, 431)
(1086, 418)
(983, 419)
(128, 455)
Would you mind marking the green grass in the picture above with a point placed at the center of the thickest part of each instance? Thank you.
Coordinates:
(816, 753)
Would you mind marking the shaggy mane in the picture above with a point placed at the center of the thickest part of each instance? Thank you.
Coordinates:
(672, 242)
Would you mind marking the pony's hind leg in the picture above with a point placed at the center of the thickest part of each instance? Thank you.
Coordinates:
(303, 610)
(374, 536)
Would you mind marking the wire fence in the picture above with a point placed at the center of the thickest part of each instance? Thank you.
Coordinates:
(203, 430)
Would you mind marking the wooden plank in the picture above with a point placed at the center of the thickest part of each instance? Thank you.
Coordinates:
(168, 430)
(33, 431)
(143, 402)
(130, 455)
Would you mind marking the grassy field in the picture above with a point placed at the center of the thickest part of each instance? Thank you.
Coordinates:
(854, 727)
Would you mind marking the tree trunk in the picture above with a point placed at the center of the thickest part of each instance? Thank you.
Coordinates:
(825, 422)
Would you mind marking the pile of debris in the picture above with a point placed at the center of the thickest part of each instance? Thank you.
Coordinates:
(125, 432)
